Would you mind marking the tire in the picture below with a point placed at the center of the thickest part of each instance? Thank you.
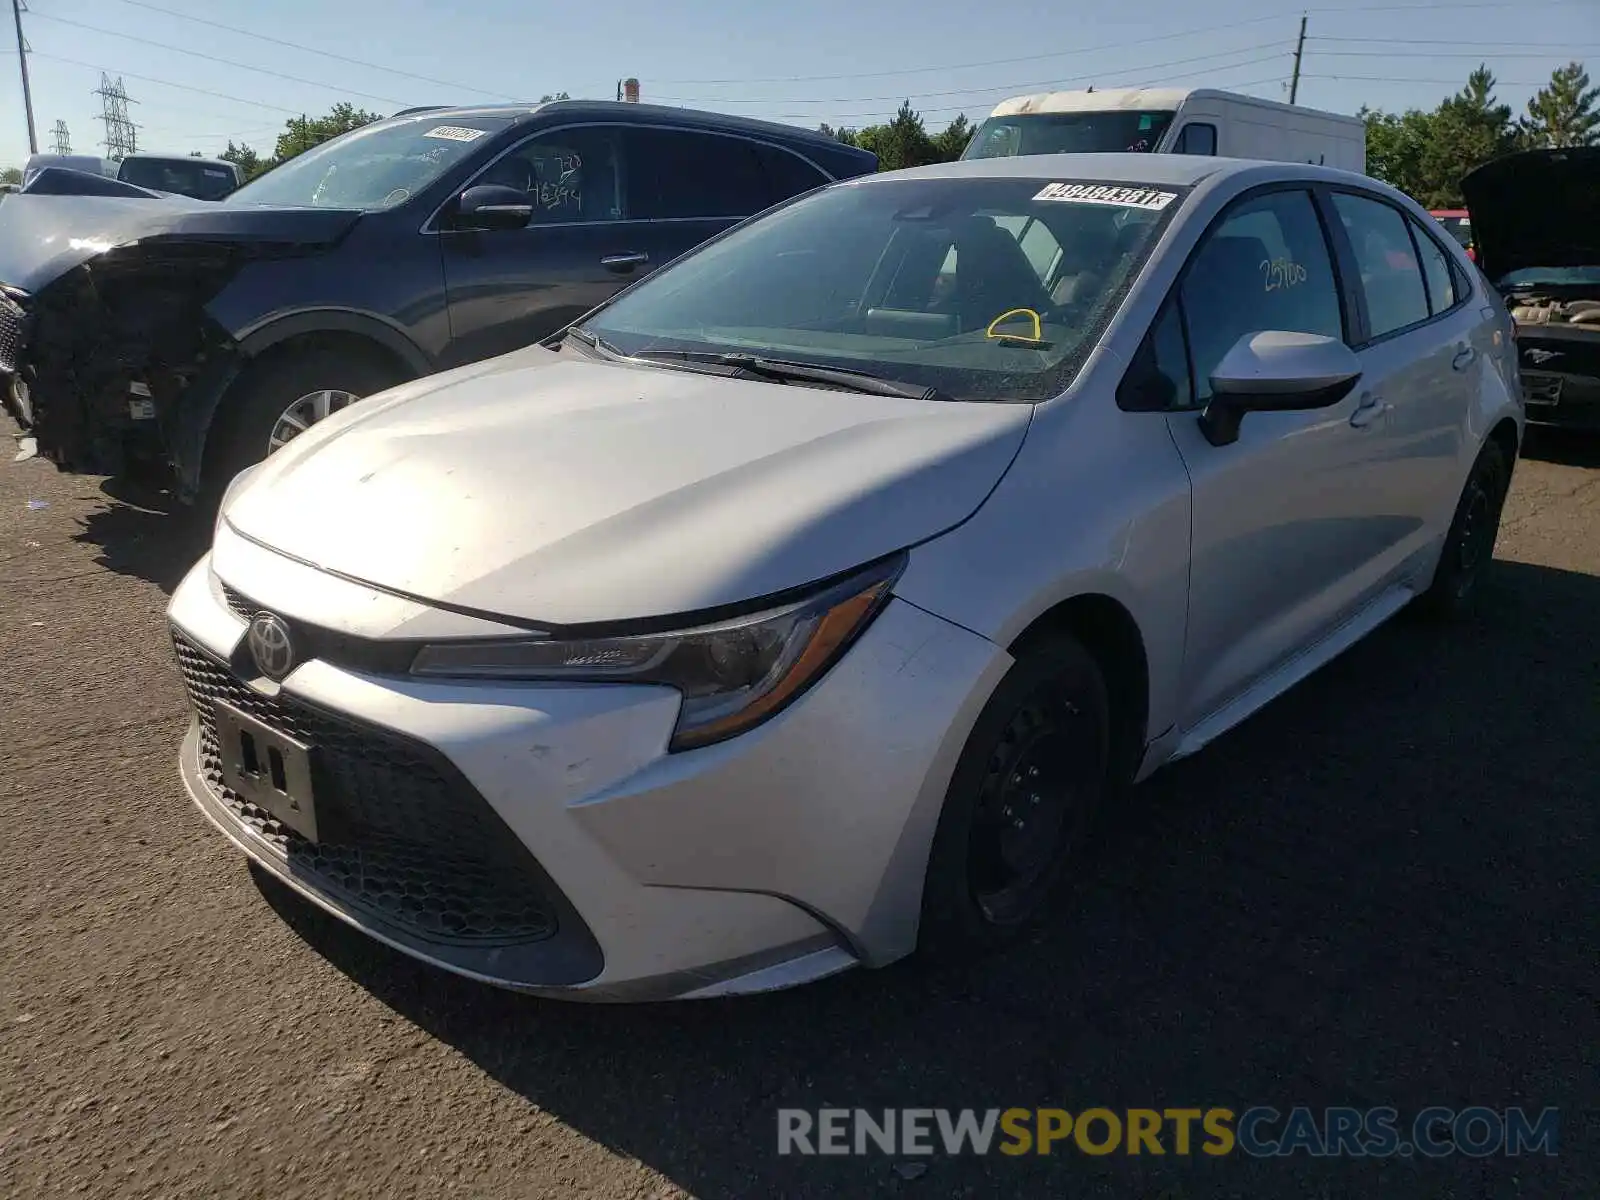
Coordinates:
(1039, 753)
(255, 405)
(1469, 546)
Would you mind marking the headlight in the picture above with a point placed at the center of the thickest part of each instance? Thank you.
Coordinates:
(733, 674)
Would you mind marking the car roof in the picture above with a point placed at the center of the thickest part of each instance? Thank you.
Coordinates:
(148, 156)
(612, 110)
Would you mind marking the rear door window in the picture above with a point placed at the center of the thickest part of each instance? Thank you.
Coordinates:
(1442, 293)
(678, 174)
(787, 173)
(1391, 276)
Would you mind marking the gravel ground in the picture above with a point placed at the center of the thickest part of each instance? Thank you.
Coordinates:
(1383, 890)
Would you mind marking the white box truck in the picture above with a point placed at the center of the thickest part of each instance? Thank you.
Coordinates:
(1170, 121)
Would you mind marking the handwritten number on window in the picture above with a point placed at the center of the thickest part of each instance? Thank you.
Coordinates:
(1280, 274)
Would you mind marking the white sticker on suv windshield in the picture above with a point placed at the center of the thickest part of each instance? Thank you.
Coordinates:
(1101, 193)
(454, 133)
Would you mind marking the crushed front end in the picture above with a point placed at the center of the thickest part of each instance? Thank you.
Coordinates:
(99, 360)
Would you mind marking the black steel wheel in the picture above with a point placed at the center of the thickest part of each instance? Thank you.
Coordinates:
(1469, 546)
(1021, 802)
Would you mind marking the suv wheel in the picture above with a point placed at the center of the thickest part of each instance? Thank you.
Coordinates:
(283, 396)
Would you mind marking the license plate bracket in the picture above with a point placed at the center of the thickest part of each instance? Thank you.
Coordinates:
(269, 769)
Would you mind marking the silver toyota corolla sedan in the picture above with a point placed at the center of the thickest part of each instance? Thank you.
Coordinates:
(799, 608)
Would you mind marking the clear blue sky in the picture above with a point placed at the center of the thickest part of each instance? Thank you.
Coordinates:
(847, 62)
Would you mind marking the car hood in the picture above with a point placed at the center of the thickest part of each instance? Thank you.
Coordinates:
(43, 235)
(1539, 208)
(563, 491)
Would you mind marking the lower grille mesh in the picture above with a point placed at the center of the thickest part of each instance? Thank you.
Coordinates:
(418, 849)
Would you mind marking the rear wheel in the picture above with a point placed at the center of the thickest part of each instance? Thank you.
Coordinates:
(1021, 802)
(1469, 546)
(283, 396)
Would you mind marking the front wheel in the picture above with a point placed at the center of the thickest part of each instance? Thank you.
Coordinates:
(1469, 546)
(1021, 802)
(285, 395)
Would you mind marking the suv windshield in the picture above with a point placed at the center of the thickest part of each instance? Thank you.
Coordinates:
(1068, 133)
(375, 167)
(982, 289)
(185, 176)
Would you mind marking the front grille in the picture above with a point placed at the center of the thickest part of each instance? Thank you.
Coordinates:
(239, 603)
(1541, 387)
(10, 332)
(416, 846)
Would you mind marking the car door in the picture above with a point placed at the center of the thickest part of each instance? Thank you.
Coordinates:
(1285, 535)
(508, 288)
(1420, 364)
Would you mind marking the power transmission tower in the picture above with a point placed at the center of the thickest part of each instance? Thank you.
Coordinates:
(122, 136)
(22, 58)
(62, 140)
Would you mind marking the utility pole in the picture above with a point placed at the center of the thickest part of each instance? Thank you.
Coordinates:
(27, 92)
(1299, 49)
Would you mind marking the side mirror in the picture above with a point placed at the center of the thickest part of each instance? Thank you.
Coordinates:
(492, 206)
(1276, 371)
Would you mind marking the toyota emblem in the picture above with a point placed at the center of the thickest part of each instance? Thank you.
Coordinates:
(271, 646)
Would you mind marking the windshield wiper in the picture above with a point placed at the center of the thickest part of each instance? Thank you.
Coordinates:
(783, 371)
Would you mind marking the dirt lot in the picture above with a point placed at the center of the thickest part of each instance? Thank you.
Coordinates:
(1382, 891)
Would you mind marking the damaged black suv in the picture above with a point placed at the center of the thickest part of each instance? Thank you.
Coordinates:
(1536, 220)
(139, 326)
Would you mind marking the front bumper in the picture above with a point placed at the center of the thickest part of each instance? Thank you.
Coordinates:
(539, 837)
(1562, 400)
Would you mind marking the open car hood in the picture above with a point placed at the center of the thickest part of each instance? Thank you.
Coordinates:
(1538, 208)
(44, 234)
(565, 491)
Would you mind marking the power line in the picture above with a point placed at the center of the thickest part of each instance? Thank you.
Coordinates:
(1016, 87)
(993, 62)
(227, 62)
(1391, 41)
(293, 112)
(1496, 55)
(261, 37)
(1455, 83)
(1004, 91)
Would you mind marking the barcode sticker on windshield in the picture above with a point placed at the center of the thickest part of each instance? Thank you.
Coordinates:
(1100, 193)
(454, 133)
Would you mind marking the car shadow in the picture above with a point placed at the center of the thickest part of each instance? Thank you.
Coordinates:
(1566, 447)
(145, 533)
(1373, 892)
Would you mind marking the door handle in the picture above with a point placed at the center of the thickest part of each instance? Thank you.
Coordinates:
(1464, 358)
(623, 263)
(1368, 410)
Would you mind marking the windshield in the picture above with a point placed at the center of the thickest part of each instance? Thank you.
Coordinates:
(185, 176)
(1068, 133)
(1551, 277)
(375, 167)
(983, 289)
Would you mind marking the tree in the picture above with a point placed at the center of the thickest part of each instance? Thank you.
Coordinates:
(245, 158)
(1563, 112)
(949, 144)
(1395, 146)
(11, 175)
(1466, 131)
(548, 97)
(905, 141)
(301, 133)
